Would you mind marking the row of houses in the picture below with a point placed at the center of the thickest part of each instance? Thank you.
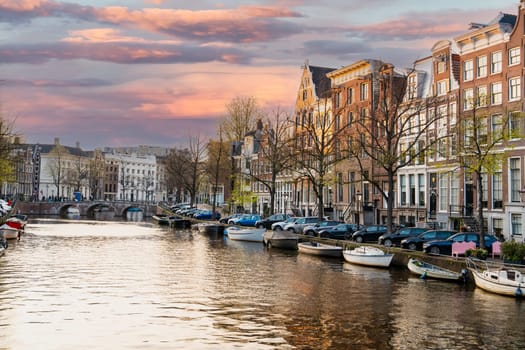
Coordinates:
(478, 76)
(50, 172)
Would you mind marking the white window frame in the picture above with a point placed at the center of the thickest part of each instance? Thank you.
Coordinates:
(468, 99)
(514, 88)
(496, 60)
(514, 56)
(496, 93)
(481, 66)
(468, 70)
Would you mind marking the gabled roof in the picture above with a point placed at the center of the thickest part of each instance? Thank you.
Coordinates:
(319, 79)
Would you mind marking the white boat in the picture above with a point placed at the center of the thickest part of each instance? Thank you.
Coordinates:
(424, 270)
(320, 249)
(9, 232)
(368, 256)
(499, 280)
(73, 213)
(280, 239)
(251, 234)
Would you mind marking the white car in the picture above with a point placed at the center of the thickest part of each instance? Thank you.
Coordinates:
(279, 226)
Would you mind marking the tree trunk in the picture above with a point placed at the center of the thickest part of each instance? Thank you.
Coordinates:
(480, 210)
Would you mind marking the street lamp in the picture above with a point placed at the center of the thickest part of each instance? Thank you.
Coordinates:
(358, 202)
(285, 202)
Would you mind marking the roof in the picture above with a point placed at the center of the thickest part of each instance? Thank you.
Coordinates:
(319, 79)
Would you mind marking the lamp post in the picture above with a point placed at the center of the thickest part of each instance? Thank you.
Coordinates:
(358, 204)
(285, 202)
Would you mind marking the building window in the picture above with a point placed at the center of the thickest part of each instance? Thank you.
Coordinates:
(482, 96)
(481, 70)
(495, 94)
(482, 131)
(349, 95)
(454, 190)
(412, 185)
(421, 190)
(496, 128)
(349, 118)
(412, 86)
(468, 99)
(441, 87)
(339, 187)
(452, 110)
(403, 190)
(441, 65)
(443, 192)
(364, 91)
(468, 70)
(337, 99)
(495, 62)
(497, 226)
(514, 125)
(515, 220)
(485, 192)
(497, 190)
(515, 181)
(514, 56)
(514, 88)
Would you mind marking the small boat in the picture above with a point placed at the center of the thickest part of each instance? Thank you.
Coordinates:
(210, 228)
(9, 232)
(424, 270)
(15, 223)
(73, 213)
(280, 239)
(499, 280)
(320, 249)
(368, 256)
(250, 234)
(134, 214)
(161, 219)
(179, 222)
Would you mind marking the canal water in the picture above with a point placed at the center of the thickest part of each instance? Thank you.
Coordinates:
(118, 285)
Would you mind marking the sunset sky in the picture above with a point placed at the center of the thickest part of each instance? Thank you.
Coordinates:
(153, 72)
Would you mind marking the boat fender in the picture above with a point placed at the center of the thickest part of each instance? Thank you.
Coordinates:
(518, 292)
(464, 275)
(423, 275)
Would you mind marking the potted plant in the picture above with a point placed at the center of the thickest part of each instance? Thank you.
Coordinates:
(477, 253)
(513, 252)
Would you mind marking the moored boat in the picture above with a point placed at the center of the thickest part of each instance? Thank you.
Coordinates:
(250, 234)
(320, 249)
(499, 280)
(9, 232)
(161, 219)
(280, 239)
(424, 270)
(210, 228)
(368, 256)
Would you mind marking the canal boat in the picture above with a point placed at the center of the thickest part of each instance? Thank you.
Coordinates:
(320, 249)
(368, 256)
(280, 239)
(210, 228)
(9, 232)
(424, 270)
(73, 213)
(250, 234)
(161, 219)
(499, 280)
(15, 223)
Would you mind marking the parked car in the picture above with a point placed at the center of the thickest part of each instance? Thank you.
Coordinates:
(298, 225)
(267, 222)
(416, 243)
(234, 220)
(248, 220)
(444, 247)
(395, 238)
(279, 226)
(206, 215)
(225, 219)
(313, 230)
(369, 233)
(341, 231)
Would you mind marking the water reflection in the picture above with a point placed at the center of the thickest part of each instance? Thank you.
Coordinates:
(121, 285)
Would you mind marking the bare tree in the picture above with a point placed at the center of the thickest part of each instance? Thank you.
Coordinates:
(317, 145)
(481, 149)
(379, 143)
(96, 171)
(6, 145)
(242, 115)
(77, 175)
(56, 166)
(274, 155)
(217, 165)
(185, 167)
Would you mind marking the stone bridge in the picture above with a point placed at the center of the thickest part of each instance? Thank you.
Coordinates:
(86, 208)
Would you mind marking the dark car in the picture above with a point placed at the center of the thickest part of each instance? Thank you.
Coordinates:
(444, 247)
(394, 239)
(341, 231)
(313, 230)
(416, 243)
(225, 219)
(267, 222)
(369, 234)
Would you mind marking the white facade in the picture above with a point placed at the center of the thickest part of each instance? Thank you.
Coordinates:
(137, 176)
